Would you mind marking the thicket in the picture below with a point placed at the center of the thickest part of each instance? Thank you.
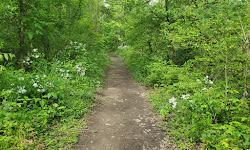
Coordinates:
(51, 61)
(195, 55)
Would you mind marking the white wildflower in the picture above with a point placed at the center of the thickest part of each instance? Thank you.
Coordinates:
(44, 76)
(51, 84)
(82, 74)
(34, 50)
(80, 64)
(174, 104)
(41, 90)
(205, 89)
(37, 76)
(191, 101)
(185, 96)
(36, 56)
(198, 80)
(22, 90)
(172, 100)
(211, 82)
(27, 59)
(67, 75)
(21, 78)
(35, 85)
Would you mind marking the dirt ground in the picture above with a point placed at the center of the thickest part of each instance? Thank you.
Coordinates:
(123, 120)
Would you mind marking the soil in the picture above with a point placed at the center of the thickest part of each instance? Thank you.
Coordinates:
(123, 119)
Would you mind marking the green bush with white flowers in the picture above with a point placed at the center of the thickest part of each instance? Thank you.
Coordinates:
(47, 93)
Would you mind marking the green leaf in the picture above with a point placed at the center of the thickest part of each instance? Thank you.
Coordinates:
(26, 19)
(19, 104)
(6, 56)
(52, 94)
(30, 34)
(38, 26)
(1, 57)
(8, 115)
(246, 137)
(39, 32)
(42, 103)
(2, 68)
(61, 107)
(55, 105)
(244, 118)
(11, 55)
(36, 99)
(225, 143)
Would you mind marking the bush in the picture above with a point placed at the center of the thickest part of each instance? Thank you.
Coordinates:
(192, 105)
(34, 101)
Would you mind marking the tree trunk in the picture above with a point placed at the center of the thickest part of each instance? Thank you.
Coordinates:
(21, 35)
(166, 5)
(96, 16)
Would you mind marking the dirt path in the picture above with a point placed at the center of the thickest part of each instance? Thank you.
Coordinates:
(123, 120)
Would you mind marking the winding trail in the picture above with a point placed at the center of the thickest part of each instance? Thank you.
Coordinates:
(123, 120)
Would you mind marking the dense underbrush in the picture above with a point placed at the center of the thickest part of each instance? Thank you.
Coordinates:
(197, 107)
(41, 106)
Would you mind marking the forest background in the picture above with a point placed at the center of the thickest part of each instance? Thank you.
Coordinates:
(193, 53)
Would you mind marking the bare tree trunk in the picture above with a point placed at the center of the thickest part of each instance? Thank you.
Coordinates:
(166, 5)
(21, 35)
(169, 41)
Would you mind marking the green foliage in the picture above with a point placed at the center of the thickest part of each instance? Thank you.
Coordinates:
(195, 55)
(134, 61)
(51, 92)
(57, 80)
(4, 57)
(47, 25)
(198, 112)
